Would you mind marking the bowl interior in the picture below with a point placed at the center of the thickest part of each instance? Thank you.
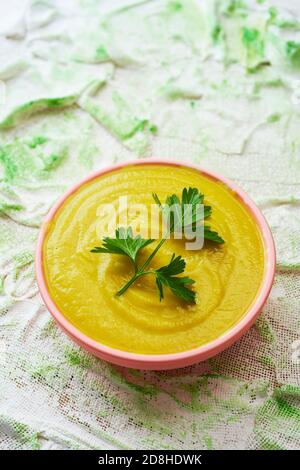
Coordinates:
(172, 360)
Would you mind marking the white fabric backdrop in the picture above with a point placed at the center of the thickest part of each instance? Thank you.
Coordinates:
(88, 83)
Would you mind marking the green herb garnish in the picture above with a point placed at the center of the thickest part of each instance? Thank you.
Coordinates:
(187, 212)
(183, 210)
(166, 276)
(123, 244)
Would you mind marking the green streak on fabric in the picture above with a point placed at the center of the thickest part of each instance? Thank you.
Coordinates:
(269, 444)
(87, 153)
(208, 441)
(292, 390)
(101, 54)
(135, 372)
(50, 329)
(145, 389)
(292, 50)
(108, 437)
(103, 413)
(278, 412)
(23, 163)
(175, 6)
(7, 207)
(235, 8)
(23, 259)
(23, 432)
(277, 407)
(153, 128)
(53, 161)
(250, 36)
(216, 33)
(265, 330)
(273, 83)
(254, 44)
(273, 13)
(36, 141)
(266, 361)
(121, 122)
(282, 22)
(273, 118)
(43, 372)
(35, 106)
(78, 358)
(285, 409)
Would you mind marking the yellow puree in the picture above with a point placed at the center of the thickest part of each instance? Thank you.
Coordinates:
(83, 284)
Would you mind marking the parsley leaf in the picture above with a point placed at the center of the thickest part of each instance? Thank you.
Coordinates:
(212, 235)
(184, 213)
(166, 276)
(123, 244)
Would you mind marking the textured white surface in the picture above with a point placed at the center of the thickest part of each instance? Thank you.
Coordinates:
(117, 70)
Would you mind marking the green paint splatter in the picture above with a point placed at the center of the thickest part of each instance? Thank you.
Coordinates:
(23, 259)
(87, 153)
(76, 357)
(208, 441)
(23, 163)
(235, 8)
(43, 372)
(269, 444)
(36, 141)
(292, 390)
(265, 330)
(121, 121)
(216, 33)
(271, 83)
(53, 161)
(153, 128)
(254, 44)
(292, 50)
(28, 109)
(101, 54)
(145, 389)
(50, 329)
(6, 207)
(22, 431)
(266, 361)
(118, 117)
(175, 6)
(273, 118)
(283, 408)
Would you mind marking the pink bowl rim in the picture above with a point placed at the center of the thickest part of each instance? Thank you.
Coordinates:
(170, 360)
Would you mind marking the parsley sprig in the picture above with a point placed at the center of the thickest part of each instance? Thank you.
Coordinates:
(185, 211)
(128, 245)
(166, 276)
(123, 244)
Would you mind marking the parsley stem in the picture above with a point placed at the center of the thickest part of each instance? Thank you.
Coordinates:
(128, 284)
(149, 259)
(132, 280)
(141, 271)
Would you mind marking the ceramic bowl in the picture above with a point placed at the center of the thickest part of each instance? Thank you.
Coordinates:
(174, 360)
